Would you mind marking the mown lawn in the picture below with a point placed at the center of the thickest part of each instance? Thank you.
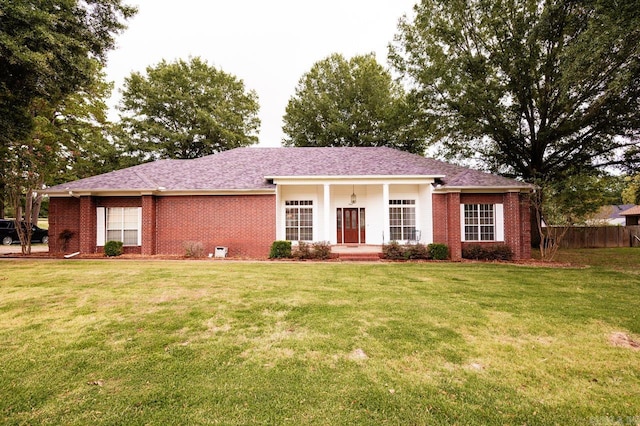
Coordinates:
(220, 342)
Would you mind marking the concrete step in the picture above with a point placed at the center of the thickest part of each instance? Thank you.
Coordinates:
(361, 257)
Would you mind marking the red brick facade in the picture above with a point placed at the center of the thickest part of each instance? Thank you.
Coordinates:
(246, 223)
(517, 224)
(243, 223)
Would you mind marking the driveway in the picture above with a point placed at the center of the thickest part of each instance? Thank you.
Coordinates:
(16, 249)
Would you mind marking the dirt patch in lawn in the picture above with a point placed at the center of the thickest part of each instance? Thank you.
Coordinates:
(623, 340)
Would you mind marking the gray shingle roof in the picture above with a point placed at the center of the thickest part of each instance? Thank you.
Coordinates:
(248, 168)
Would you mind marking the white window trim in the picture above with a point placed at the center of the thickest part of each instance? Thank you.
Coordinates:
(498, 223)
(101, 227)
(413, 205)
(311, 206)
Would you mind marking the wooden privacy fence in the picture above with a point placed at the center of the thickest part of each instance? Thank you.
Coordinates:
(601, 237)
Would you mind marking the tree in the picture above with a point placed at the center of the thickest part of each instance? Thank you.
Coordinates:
(532, 89)
(47, 51)
(631, 193)
(354, 102)
(186, 110)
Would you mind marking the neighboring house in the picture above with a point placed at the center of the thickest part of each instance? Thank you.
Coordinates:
(246, 198)
(609, 215)
(632, 215)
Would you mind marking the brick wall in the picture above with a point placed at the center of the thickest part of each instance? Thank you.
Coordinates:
(243, 223)
(517, 231)
(64, 214)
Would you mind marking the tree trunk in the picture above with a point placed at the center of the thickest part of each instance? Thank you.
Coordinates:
(35, 209)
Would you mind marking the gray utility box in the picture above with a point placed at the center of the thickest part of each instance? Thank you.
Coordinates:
(221, 251)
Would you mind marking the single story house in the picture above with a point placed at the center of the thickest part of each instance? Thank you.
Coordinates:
(632, 216)
(609, 215)
(246, 198)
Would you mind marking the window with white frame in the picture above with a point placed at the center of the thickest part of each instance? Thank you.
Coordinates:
(482, 222)
(120, 224)
(299, 220)
(402, 220)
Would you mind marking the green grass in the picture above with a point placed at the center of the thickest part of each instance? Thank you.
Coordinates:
(204, 342)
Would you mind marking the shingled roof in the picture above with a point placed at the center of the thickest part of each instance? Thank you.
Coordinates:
(250, 168)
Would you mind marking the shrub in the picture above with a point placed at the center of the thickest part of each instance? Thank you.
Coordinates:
(393, 251)
(280, 250)
(64, 237)
(473, 251)
(322, 250)
(438, 251)
(302, 251)
(113, 248)
(495, 252)
(193, 249)
(416, 251)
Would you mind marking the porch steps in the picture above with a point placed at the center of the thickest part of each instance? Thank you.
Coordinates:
(359, 257)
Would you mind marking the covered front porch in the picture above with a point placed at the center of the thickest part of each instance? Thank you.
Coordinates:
(357, 214)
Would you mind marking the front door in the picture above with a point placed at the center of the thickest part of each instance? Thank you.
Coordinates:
(351, 226)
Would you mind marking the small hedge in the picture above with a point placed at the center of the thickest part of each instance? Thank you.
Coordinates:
(396, 251)
(494, 252)
(320, 250)
(280, 250)
(113, 248)
(193, 249)
(438, 251)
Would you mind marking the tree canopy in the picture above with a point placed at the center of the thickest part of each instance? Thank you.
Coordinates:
(47, 51)
(535, 89)
(353, 102)
(186, 109)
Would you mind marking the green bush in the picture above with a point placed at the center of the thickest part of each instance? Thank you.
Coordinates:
(494, 252)
(438, 251)
(322, 250)
(393, 251)
(113, 248)
(416, 251)
(280, 250)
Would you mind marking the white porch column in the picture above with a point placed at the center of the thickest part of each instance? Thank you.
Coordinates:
(327, 212)
(385, 212)
(279, 230)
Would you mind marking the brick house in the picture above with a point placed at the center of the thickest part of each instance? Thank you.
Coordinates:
(246, 198)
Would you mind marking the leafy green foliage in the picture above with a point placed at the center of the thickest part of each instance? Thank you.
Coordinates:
(113, 248)
(631, 192)
(492, 252)
(532, 88)
(280, 250)
(438, 251)
(354, 102)
(47, 51)
(186, 109)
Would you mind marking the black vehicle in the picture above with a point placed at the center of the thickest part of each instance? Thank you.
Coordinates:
(9, 234)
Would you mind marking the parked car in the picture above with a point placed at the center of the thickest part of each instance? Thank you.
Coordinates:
(9, 234)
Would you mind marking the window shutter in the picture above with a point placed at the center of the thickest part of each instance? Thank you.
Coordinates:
(101, 226)
(139, 226)
(499, 221)
(462, 223)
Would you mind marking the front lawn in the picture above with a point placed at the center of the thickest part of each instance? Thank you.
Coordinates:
(220, 342)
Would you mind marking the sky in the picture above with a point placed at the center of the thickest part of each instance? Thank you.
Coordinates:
(269, 44)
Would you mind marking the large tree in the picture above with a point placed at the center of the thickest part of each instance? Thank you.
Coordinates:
(353, 102)
(47, 50)
(186, 109)
(535, 89)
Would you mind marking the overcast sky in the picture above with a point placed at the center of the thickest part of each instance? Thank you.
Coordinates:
(269, 44)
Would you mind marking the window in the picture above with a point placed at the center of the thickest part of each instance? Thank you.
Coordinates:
(402, 220)
(482, 222)
(299, 220)
(120, 224)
